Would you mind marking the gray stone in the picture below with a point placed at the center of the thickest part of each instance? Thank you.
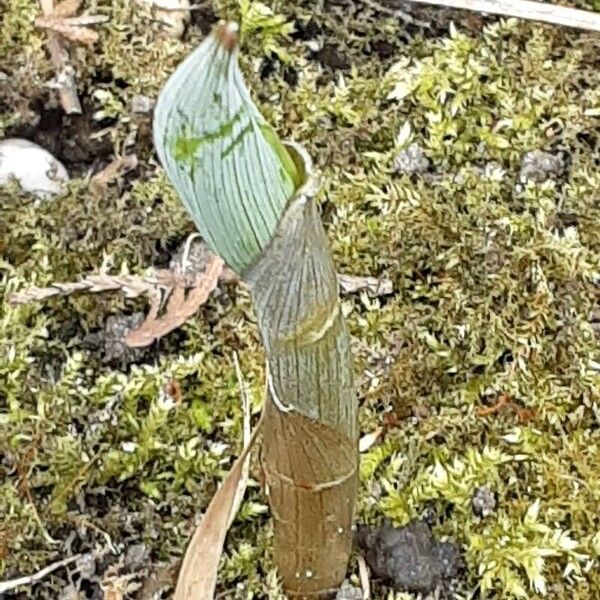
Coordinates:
(69, 592)
(483, 502)
(115, 330)
(410, 557)
(142, 104)
(136, 555)
(349, 592)
(538, 166)
(411, 160)
(195, 261)
(86, 566)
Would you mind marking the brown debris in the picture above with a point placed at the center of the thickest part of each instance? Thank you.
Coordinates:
(180, 306)
(60, 23)
(524, 415)
(61, 19)
(183, 289)
(115, 169)
(173, 390)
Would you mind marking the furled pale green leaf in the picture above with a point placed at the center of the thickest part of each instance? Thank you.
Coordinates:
(227, 164)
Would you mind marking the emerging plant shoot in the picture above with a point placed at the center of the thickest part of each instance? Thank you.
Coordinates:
(252, 198)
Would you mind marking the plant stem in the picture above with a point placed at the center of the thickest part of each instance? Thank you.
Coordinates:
(310, 455)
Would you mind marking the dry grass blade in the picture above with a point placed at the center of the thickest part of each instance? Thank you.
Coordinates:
(73, 29)
(198, 574)
(81, 35)
(527, 9)
(180, 307)
(52, 21)
(363, 573)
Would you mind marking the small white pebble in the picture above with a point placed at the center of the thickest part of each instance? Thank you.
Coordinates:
(35, 169)
(309, 573)
(128, 447)
(218, 448)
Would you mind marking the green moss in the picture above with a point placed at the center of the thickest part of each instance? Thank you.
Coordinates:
(495, 293)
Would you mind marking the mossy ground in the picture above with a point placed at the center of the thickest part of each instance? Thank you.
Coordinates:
(496, 292)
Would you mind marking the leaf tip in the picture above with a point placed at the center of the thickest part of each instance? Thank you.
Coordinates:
(227, 34)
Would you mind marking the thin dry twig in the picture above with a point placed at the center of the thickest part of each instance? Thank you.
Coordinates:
(526, 9)
(487, 411)
(524, 415)
(116, 587)
(72, 28)
(36, 516)
(183, 292)
(131, 285)
(81, 521)
(162, 285)
(6, 586)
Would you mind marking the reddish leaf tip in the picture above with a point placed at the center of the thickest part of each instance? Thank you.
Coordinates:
(227, 34)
